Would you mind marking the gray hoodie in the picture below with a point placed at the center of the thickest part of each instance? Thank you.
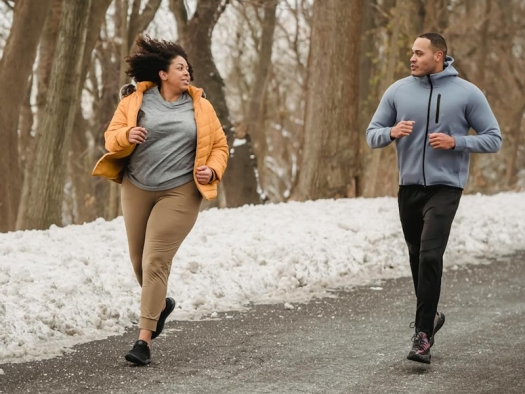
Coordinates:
(438, 103)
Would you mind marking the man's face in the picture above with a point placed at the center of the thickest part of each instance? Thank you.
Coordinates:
(424, 60)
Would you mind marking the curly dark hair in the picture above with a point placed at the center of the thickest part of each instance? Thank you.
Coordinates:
(153, 56)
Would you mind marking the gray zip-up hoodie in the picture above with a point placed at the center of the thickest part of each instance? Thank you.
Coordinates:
(438, 103)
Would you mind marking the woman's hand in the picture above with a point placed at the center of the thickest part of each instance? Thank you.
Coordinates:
(204, 175)
(137, 135)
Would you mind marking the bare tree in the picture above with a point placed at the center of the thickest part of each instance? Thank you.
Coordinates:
(128, 32)
(367, 94)
(195, 36)
(475, 71)
(138, 21)
(83, 153)
(103, 72)
(482, 36)
(15, 70)
(255, 119)
(399, 23)
(265, 76)
(47, 186)
(507, 42)
(436, 15)
(330, 165)
(80, 206)
(46, 51)
(240, 184)
(285, 99)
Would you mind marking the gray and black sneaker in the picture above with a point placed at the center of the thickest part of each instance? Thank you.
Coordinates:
(140, 354)
(420, 351)
(438, 323)
(170, 306)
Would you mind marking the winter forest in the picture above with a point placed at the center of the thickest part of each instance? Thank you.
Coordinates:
(294, 83)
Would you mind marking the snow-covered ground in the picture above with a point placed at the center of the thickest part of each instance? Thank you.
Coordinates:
(70, 285)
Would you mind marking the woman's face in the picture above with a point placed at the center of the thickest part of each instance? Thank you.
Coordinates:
(177, 77)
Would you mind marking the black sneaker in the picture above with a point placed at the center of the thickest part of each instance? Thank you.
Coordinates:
(170, 306)
(420, 351)
(438, 323)
(140, 354)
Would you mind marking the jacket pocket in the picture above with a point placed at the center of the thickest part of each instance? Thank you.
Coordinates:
(437, 109)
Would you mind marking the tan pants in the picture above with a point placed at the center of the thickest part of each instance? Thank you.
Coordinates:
(156, 224)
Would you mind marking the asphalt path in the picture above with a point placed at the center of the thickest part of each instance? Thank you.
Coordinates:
(356, 342)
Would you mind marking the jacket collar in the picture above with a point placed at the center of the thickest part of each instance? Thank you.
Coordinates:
(145, 85)
(194, 92)
(440, 78)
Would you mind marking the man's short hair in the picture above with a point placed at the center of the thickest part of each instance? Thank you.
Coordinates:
(437, 42)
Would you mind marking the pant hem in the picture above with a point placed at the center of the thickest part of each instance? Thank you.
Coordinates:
(148, 324)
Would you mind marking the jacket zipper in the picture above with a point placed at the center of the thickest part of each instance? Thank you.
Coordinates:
(426, 131)
(437, 109)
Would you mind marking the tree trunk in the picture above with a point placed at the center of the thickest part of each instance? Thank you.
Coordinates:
(47, 186)
(138, 22)
(366, 65)
(125, 32)
(46, 51)
(377, 161)
(512, 166)
(26, 143)
(240, 183)
(403, 27)
(195, 37)
(330, 162)
(255, 119)
(83, 156)
(478, 181)
(15, 68)
(436, 15)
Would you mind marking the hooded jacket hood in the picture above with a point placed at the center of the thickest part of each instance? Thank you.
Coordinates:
(441, 77)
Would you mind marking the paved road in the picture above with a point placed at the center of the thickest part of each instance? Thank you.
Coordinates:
(355, 343)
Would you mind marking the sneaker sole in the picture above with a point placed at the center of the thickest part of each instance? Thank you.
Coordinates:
(439, 324)
(135, 360)
(418, 358)
(163, 316)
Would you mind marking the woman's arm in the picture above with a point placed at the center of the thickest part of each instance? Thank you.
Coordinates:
(116, 136)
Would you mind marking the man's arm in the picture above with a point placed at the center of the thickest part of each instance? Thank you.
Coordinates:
(482, 120)
(378, 132)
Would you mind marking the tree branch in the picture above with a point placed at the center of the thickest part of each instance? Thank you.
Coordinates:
(138, 22)
(178, 8)
(11, 7)
(148, 13)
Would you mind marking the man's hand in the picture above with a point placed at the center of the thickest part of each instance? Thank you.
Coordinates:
(402, 129)
(203, 175)
(137, 135)
(441, 141)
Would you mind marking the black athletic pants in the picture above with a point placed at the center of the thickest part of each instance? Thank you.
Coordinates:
(426, 214)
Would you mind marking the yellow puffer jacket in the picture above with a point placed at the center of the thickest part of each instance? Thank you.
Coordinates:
(212, 148)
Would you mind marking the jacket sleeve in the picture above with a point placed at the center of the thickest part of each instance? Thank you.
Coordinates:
(481, 118)
(116, 136)
(218, 158)
(378, 132)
